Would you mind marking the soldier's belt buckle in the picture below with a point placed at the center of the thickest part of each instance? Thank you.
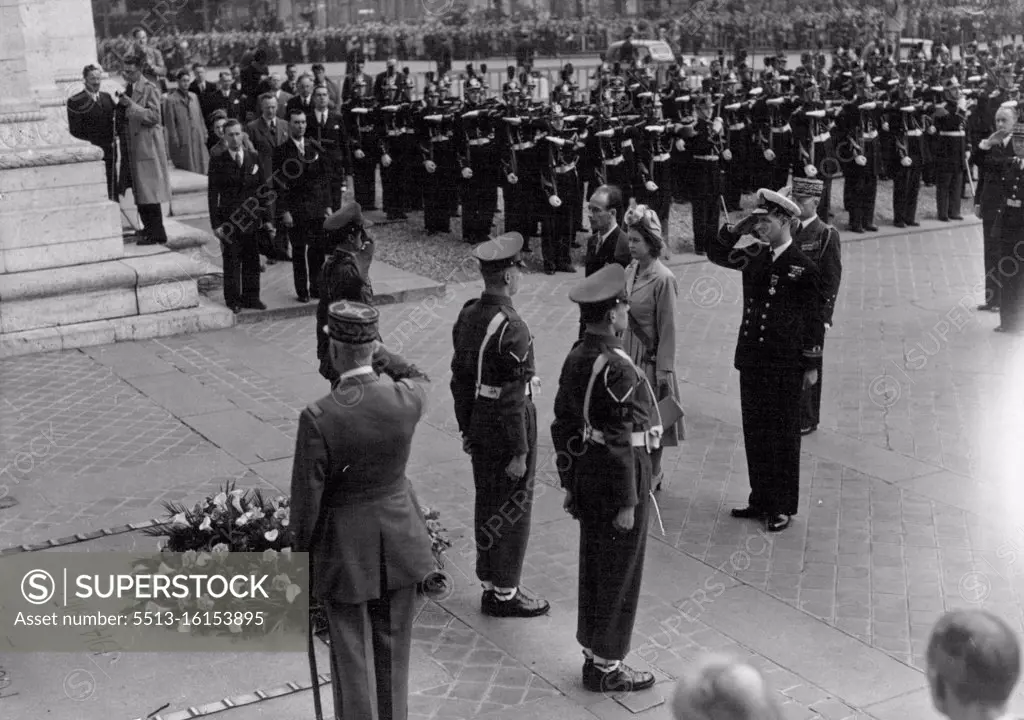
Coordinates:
(1013, 203)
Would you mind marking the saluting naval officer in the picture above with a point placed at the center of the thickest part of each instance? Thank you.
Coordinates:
(354, 511)
(492, 385)
(778, 352)
(820, 242)
(605, 425)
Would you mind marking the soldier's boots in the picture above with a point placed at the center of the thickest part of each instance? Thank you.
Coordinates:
(622, 679)
(521, 605)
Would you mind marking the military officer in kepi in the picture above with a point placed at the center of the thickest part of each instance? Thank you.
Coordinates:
(492, 384)
(606, 423)
(820, 242)
(354, 511)
(778, 352)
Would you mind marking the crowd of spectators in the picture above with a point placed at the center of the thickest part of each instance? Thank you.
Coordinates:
(768, 24)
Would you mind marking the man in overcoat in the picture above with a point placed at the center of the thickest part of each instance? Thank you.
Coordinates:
(184, 127)
(144, 151)
(354, 510)
(778, 352)
(492, 386)
(602, 435)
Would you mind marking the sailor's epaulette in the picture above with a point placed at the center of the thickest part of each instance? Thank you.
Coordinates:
(469, 302)
(314, 409)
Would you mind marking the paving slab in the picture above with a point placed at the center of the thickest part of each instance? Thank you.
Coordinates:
(242, 435)
(179, 394)
(853, 671)
(129, 360)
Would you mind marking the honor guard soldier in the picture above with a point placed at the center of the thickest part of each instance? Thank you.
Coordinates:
(605, 426)
(357, 85)
(655, 162)
(437, 147)
(709, 153)
(354, 511)
(612, 144)
(950, 153)
(815, 151)
(520, 163)
(1009, 229)
(778, 353)
(859, 147)
(560, 180)
(779, 153)
(364, 145)
(908, 126)
(492, 384)
(394, 153)
(734, 115)
(819, 241)
(478, 159)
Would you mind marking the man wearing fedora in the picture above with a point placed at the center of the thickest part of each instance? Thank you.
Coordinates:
(354, 510)
(778, 352)
(492, 386)
(820, 242)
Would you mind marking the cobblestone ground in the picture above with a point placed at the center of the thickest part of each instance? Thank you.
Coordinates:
(908, 490)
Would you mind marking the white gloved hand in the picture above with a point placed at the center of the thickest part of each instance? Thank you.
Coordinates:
(810, 171)
(555, 201)
(467, 173)
(385, 160)
(727, 154)
(861, 160)
(885, 127)
(680, 145)
(907, 161)
(360, 155)
(430, 166)
(651, 186)
(769, 155)
(512, 179)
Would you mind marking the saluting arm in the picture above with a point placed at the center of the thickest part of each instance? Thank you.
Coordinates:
(725, 253)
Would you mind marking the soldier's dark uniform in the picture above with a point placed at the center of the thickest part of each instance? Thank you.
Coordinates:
(705, 144)
(492, 373)
(560, 179)
(908, 127)
(1009, 229)
(814, 155)
(478, 154)
(737, 174)
(655, 161)
(364, 145)
(779, 339)
(859, 125)
(437, 151)
(603, 415)
(950, 149)
(820, 242)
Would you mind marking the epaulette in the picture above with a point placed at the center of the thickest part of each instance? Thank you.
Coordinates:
(469, 302)
(314, 409)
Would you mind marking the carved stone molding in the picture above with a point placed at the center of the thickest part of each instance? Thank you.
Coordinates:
(49, 156)
(22, 117)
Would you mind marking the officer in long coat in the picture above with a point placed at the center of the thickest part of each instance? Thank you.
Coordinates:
(778, 352)
(354, 511)
(602, 433)
(820, 242)
(1009, 229)
(492, 385)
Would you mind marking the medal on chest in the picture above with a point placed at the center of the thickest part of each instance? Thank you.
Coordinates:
(774, 282)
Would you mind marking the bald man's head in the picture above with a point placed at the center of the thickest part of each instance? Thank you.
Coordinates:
(721, 688)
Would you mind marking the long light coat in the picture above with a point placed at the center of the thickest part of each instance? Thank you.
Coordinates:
(186, 132)
(650, 339)
(145, 156)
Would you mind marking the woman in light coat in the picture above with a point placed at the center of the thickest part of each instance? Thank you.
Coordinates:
(650, 339)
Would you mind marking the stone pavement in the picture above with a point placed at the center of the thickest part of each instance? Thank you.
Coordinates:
(908, 502)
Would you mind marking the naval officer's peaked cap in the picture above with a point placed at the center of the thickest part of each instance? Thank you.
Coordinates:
(352, 323)
(500, 252)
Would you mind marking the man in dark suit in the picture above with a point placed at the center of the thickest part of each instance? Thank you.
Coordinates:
(320, 79)
(492, 386)
(225, 98)
(252, 77)
(302, 177)
(291, 73)
(303, 99)
(778, 352)
(200, 85)
(91, 118)
(354, 510)
(608, 244)
(328, 128)
(820, 242)
(267, 133)
(237, 212)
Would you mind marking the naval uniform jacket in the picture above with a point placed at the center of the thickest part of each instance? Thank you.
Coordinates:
(602, 476)
(352, 506)
(782, 326)
(492, 367)
(820, 242)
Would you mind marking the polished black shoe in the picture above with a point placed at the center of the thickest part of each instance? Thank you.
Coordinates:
(521, 605)
(808, 430)
(956, 217)
(700, 252)
(989, 307)
(549, 269)
(777, 523)
(747, 513)
(912, 223)
(943, 219)
(255, 305)
(145, 241)
(621, 679)
(856, 229)
(565, 267)
(899, 224)
(303, 298)
(871, 228)
(235, 308)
